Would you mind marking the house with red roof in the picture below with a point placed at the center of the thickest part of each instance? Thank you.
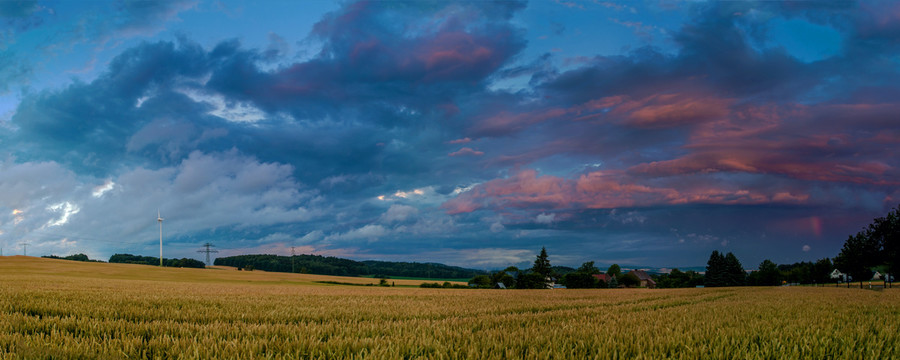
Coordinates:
(605, 278)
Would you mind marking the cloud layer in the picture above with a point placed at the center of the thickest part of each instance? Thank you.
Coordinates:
(435, 131)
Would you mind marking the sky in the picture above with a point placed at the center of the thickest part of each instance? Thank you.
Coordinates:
(643, 133)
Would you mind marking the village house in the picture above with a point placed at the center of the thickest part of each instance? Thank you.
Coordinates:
(645, 279)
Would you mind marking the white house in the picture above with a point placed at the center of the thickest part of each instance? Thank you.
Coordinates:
(837, 274)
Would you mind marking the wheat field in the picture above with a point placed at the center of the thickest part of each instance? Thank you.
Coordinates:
(51, 309)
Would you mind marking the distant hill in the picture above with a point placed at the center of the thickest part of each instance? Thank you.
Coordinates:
(328, 265)
(562, 270)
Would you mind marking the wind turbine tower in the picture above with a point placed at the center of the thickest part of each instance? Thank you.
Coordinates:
(160, 220)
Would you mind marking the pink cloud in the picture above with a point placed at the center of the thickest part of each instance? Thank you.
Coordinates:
(602, 190)
(760, 140)
(460, 141)
(506, 122)
(655, 111)
(453, 55)
(466, 152)
(674, 110)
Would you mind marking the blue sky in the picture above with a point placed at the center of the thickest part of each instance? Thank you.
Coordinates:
(468, 133)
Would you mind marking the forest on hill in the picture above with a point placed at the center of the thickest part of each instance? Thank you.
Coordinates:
(328, 265)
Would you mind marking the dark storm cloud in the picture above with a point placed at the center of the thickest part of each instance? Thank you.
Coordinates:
(87, 126)
(393, 142)
(421, 56)
(367, 103)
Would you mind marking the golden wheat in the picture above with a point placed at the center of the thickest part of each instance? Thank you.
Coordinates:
(133, 311)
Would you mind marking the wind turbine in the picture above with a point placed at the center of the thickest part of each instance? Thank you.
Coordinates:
(160, 220)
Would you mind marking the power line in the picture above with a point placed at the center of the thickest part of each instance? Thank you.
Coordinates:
(24, 248)
(207, 251)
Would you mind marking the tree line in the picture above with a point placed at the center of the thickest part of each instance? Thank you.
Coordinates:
(328, 265)
(150, 260)
(542, 275)
(875, 248)
(73, 257)
(721, 270)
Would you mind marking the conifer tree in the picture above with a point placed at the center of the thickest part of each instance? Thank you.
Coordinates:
(734, 271)
(715, 270)
(542, 264)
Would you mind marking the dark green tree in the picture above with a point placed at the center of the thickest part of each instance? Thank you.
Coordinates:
(613, 282)
(734, 272)
(481, 281)
(582, 278)
(715, 270)
(878, 245)
(821, 271)
(885, 231)
(858, 256)
(630, 280)
(531, 280)
(579, 280)
(768, 274)
(679, 279)
(614, 270)
(588, 268)
(542, 264)
(502, 277)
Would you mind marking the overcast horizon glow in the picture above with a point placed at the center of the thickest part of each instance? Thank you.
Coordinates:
(467, 133)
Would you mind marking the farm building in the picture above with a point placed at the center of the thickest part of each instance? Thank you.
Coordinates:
(605, 278)
(837, 274)
(646, 281)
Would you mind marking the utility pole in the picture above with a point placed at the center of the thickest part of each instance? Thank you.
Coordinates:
(160, 219)
(207, 251)
(24, 248)
(293, 268)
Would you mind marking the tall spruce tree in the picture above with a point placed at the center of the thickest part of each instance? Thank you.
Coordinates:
(734, 271)
(715, 270)
(542, 264)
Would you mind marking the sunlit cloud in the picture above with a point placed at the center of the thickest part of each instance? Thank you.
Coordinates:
(103, 189)
(236, 111)
(66, 209)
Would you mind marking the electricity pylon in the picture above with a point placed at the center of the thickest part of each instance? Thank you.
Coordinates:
(208, 251)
